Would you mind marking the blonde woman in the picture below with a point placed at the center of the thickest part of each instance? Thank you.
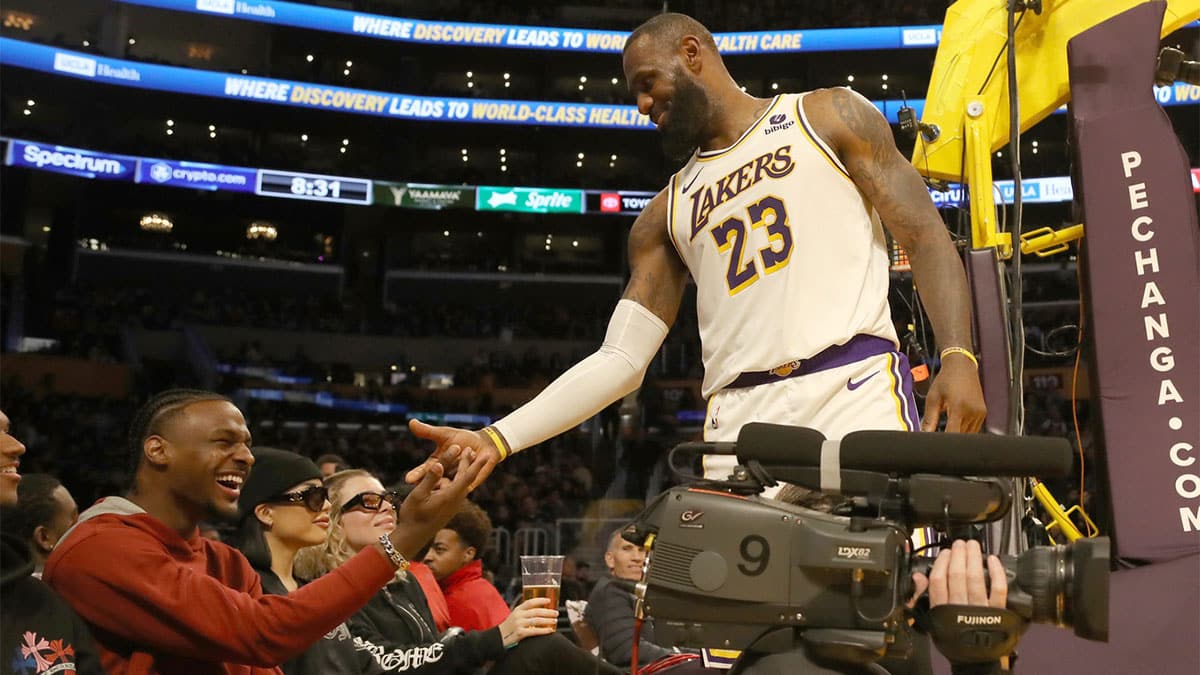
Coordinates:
(397, 623)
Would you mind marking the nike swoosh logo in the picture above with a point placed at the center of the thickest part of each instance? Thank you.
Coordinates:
(852, 385)
(692, 182)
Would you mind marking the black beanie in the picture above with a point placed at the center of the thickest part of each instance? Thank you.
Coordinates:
(274, 471)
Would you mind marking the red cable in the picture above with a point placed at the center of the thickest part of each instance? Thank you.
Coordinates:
(633, 655)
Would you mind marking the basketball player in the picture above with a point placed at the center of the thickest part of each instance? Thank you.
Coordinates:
(776, 215)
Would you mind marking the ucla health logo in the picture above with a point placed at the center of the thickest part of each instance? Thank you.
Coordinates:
(218, 6)
(74, 64)
(161, 172)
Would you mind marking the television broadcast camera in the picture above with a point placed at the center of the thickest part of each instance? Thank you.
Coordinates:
(729, 569)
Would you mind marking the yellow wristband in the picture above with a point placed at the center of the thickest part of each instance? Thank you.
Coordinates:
(498, 441)
(960, 350)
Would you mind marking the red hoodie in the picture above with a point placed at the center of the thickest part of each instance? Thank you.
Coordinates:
(474, 603)
(159, 603)
(433, 595)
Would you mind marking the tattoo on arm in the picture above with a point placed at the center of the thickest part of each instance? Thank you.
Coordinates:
(877, 167)
(656, 274)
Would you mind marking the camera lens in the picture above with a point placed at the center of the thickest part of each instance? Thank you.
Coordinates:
(1064, 585)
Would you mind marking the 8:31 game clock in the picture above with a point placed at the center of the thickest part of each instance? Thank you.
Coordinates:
(315, 187)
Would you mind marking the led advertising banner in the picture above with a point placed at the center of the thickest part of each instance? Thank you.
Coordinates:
(528, 200)
(360, 191)
(71, 161)
(382, 104)
(424, 196)
(617, 202)
(540, 37)
(1033, 191)
(195, 175)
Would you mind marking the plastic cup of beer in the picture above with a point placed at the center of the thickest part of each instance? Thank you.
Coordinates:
(541, 577)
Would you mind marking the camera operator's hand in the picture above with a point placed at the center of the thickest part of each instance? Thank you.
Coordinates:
(957, 578)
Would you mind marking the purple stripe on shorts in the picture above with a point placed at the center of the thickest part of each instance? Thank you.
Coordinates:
(906, 391)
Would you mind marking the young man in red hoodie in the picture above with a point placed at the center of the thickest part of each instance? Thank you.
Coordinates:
(161, 599)
(455, 557)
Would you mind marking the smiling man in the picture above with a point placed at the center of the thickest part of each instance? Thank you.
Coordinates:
(162, 599)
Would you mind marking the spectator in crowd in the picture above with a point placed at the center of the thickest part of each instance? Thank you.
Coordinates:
(583, 574)
(283, 509)
(456, 559)
(38, 630)
(161, 599)
(44, 511)
(610, 615)
(397, 620)
(570, 588)
(331, 464)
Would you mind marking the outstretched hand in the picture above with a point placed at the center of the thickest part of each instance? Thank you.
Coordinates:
(433, 502)
(955, 390)
(451, 443)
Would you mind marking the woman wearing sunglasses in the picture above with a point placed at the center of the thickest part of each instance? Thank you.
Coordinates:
(283, 509)
(397, 622)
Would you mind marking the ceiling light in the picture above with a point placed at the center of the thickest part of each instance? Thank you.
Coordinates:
(349, 64)
(309, 58)
(304, 137)
(345, 141)
(155, 222)
(32, 103)
(849, 78)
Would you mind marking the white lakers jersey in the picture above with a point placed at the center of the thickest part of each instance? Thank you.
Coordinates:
(788, 255)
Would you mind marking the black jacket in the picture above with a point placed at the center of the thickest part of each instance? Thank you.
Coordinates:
(38, 630)
(610, 613)
(338, 653)
(399, 628)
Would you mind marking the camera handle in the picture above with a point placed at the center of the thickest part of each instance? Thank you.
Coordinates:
(975, 634)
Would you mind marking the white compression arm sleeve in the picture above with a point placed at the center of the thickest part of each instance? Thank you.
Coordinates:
(617, 368)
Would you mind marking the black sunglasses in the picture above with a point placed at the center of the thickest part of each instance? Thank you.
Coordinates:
(373, 501)
(312, 497)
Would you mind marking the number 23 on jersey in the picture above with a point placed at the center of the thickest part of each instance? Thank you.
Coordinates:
(730, 236)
